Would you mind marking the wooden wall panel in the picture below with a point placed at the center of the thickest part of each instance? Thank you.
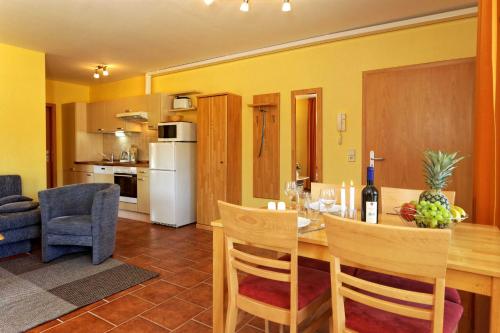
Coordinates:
(266, 167)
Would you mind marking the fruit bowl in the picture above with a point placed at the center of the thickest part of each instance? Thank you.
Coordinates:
(430, 215)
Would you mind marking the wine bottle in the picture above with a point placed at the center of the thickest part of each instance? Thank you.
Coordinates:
(369, 207)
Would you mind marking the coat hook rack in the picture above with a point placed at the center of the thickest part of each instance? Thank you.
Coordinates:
(266, 146)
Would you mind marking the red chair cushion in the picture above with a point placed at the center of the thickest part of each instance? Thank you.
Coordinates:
(318, 264)
(451, 294)
(312, 283)
(365, 319)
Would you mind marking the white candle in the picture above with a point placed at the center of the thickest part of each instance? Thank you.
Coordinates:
(352, 195)
(342, 198)
(271, 205)
(281, 205)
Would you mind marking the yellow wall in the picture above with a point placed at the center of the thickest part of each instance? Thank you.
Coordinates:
(336, 67)
(59, 93)
(22, 116)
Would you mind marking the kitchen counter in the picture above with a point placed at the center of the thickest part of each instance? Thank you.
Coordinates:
(140, 164)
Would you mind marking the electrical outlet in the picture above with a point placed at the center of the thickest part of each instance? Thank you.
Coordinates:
(351, 155)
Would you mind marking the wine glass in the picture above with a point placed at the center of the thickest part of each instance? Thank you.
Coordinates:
(307, 204)
(327, 198)
(290, 190)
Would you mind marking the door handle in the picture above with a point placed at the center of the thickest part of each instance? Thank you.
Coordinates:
(373, 158)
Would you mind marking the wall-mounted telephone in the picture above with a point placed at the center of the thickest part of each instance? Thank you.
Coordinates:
(341, 122)
(341, 125)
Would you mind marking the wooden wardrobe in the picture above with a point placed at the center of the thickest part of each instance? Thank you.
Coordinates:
(219, 154)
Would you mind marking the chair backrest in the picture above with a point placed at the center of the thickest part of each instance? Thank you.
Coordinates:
(317, 187)
(261, 228)
(10, 185)
(395, 197)
(409, 252)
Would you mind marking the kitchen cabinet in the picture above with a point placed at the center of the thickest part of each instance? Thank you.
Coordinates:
(83, 177)
(219, 154)
(77, 144)
(78, 174)
(103, 178)
(154, 110)
(102, 116)
(143, 190)
(96, 117)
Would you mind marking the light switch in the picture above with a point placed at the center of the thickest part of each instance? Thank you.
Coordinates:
(351, 155)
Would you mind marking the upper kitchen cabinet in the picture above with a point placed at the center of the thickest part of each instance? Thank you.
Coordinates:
(154, 110)
(102, 115)
(95, 117)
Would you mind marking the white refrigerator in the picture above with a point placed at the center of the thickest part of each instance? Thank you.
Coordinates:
(172, 183)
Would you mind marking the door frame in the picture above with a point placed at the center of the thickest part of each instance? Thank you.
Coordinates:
(50, 119)
(319, 129)
(364, 153)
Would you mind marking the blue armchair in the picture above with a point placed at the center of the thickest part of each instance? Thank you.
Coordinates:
(77, 217)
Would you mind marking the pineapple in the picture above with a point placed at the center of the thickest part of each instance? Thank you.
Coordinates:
(438, 167)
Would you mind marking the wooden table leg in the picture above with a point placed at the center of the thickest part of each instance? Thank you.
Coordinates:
(218, 279)
(495, 306)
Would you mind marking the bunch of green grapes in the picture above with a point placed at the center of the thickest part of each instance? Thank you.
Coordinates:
(432, 215)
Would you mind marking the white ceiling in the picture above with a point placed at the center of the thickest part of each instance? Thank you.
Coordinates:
(136, 36)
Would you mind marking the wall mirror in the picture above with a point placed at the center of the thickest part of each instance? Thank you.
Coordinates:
(307, 136)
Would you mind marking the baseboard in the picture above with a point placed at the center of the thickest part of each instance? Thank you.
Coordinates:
(203, 226)
(134, 216)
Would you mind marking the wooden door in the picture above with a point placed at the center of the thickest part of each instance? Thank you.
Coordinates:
(50, 145)
(203, 161)
(411, 109)
(218, 154)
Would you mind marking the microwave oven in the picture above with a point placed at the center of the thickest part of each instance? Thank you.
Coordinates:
(177, 131)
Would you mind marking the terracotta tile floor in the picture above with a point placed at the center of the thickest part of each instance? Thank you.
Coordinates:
(177, 301)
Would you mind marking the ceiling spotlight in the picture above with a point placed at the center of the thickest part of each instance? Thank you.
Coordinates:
(209, 2)
(286, 7)
(105, 71)
(96, 74)
(244, 6)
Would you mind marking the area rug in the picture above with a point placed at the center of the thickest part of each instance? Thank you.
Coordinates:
(32, 293)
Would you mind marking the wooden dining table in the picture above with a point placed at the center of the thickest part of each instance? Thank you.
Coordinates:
(473, 263)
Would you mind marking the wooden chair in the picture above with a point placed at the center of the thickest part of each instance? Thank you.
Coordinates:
(275, 290)
(364, 306)
(394, 197)
(317, 187)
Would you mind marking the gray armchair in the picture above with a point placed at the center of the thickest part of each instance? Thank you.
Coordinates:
(77, 217)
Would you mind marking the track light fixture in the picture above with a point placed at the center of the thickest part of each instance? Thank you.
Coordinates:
(245, 5)
(286, 7)
(101, 70)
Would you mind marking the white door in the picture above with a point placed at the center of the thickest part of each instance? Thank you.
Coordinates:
(162, 156)
(162, 196)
